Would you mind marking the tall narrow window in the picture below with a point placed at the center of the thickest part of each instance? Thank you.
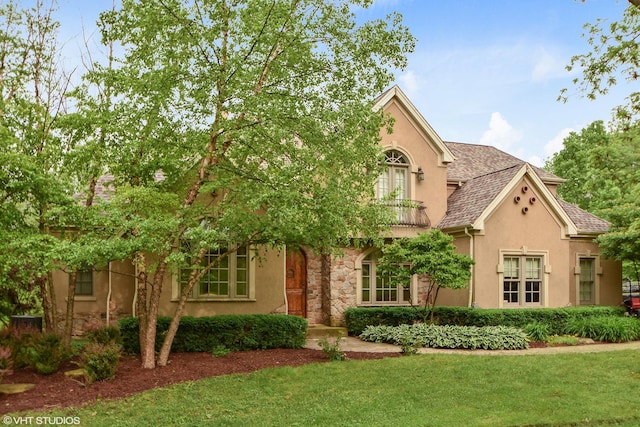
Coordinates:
(395, 178)
(84, 281)
(587, 281)
(522, 280)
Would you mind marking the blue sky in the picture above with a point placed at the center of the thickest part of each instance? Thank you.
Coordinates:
(483, 71)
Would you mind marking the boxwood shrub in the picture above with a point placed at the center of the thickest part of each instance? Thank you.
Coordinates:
(358, 319)
(233, 332)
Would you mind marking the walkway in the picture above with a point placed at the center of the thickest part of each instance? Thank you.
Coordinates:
(355, 344)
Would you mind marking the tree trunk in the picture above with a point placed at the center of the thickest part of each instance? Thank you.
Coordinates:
(52, 314)
(41, 283)
(68, 319)
(194, 277)
(141, 305)
(148, 358)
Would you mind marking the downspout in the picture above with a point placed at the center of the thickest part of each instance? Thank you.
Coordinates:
(471, 302)
(135, 290)
(109, 297)
(284, 290)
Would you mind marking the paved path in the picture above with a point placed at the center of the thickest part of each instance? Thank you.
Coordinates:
(355, 344)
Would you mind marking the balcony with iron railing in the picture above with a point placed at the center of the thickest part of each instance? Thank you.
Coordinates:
(410, 213)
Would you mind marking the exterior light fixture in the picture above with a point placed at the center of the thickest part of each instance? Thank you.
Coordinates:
(420, 174)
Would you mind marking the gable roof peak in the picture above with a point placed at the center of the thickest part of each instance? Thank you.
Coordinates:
(394, 92)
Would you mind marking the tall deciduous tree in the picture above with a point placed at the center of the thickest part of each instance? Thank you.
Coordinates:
(241, 124)
(615, 54)
(431, 256)
(32, 192)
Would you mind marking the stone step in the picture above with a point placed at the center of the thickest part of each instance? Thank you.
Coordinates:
(322, 331)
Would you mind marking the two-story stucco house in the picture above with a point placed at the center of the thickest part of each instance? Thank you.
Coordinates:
(531, 249)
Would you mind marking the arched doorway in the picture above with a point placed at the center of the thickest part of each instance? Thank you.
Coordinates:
(296, 283)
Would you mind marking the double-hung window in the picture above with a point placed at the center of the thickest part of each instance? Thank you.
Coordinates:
(587, 287)
(84, 281)
(522, 280)
(226, 276)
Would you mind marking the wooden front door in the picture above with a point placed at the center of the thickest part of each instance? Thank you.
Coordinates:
(296, 283)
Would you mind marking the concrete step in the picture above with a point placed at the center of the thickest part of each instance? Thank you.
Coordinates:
(322, 331)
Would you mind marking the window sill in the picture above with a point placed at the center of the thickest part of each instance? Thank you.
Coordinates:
(84, 298)
(385, 304)
(216, 299)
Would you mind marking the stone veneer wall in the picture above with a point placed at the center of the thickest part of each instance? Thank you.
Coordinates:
(343, 279)
(332, 287)
(315, 313)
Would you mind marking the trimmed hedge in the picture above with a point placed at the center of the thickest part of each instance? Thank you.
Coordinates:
(233, 332)
(358, 319)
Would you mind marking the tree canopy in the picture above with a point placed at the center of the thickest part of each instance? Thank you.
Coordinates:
(211, 124)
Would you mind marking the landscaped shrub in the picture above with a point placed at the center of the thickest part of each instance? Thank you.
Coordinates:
(333, 351)
(100, 361)
(438, 336)
(608, 329)
(5, 361)
(46, 353)
(104, 335)
(234, 332)
(537, 331)
(358, 319)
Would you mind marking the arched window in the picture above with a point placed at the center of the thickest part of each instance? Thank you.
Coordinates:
(395, 178)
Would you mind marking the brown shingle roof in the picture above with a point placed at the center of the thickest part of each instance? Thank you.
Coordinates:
(485, 171)
(584, 221)
(473, 160)
(467, 203)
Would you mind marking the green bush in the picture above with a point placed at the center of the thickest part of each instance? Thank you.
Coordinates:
(537, 331)
(333, 351)
(455, 337)
(100, 361)
(46, 353)
(234, 332)
(358, 319)
(104, 335)
(607, 329)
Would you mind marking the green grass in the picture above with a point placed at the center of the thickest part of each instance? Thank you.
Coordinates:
(422, 390)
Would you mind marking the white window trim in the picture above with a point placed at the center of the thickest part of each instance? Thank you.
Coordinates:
(598, 273)
(546, 272)
(251, 259)
(358, 267)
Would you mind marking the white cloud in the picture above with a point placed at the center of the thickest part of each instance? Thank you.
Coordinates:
(500, 133)
(536, 161)
(555, 144)
(547, 66)
(410, 83)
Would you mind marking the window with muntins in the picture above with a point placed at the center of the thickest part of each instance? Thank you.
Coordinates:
(84, 282)
(395, 178)
(377, 288)
(522, 280)
(226, 277)
(587, 280)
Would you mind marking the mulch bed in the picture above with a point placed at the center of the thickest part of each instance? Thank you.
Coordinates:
(60, 391)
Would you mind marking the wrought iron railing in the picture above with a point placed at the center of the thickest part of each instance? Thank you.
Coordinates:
(411, 213)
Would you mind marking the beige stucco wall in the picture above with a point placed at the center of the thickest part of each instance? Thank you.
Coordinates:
(407, 138)
(93, 309)
(608, 273)
(269, 285)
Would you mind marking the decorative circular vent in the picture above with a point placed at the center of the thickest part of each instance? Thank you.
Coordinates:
(516, 199)
(532, 200)
(525, 189)
(525, 210)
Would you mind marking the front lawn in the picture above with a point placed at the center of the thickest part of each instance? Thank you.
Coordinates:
(423, 390)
